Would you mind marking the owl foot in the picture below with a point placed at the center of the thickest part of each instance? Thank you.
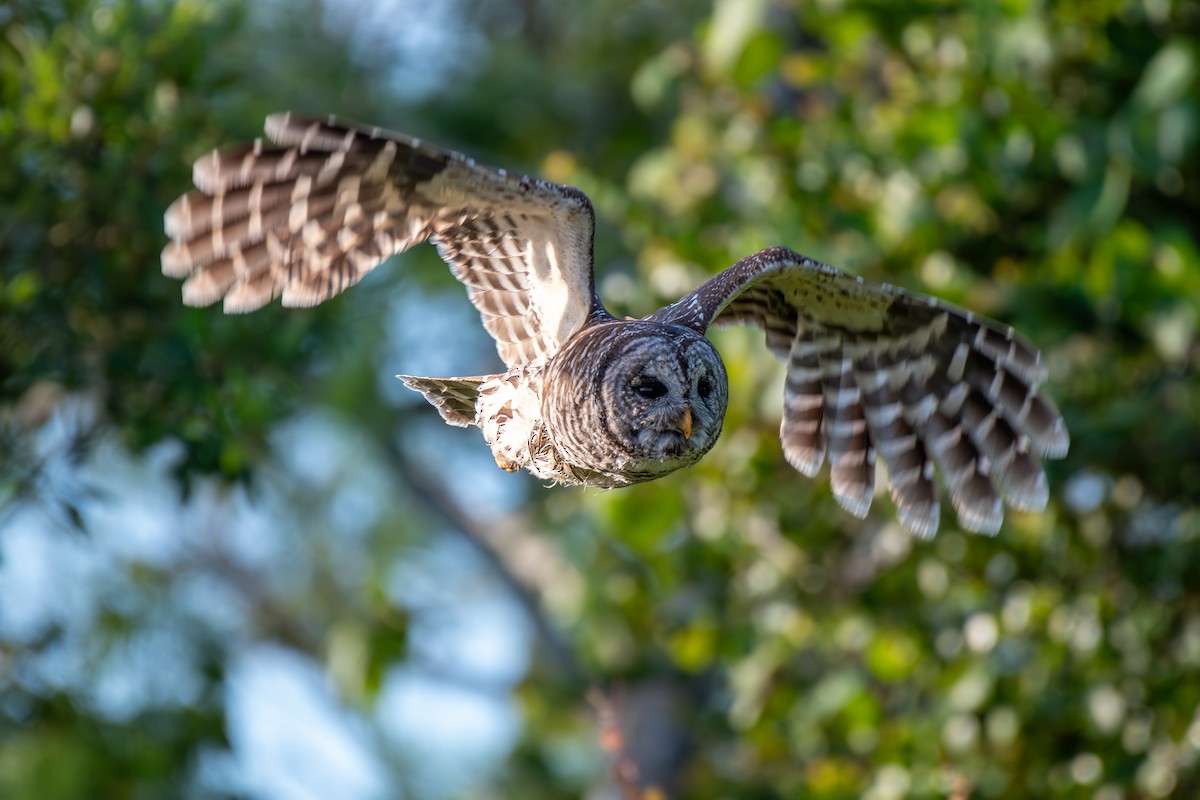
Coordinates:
(506, 465)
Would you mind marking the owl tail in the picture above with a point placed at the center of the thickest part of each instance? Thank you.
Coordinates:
(454, 398)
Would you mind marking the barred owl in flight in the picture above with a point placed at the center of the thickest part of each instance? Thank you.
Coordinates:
(586, 398)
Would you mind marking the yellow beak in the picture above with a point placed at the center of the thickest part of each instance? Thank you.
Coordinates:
(685, 422)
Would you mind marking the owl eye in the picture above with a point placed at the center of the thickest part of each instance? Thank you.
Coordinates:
(704, 387)
(650, 388)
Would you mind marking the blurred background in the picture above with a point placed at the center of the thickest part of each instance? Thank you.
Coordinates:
(237, 559)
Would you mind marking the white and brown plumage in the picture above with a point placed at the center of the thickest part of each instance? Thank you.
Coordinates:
(586, 398)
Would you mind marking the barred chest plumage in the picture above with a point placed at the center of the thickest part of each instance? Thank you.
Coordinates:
(509, 413)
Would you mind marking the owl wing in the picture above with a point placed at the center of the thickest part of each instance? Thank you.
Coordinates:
(872, 369)
(308, 213)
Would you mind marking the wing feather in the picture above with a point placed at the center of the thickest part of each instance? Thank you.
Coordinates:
(872, 369)
(801, 430)
(307, 213)
(851, 454)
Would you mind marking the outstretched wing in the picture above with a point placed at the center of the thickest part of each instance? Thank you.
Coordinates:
(307, 214)
(872, 369)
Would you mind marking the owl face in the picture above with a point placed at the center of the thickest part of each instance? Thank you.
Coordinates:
(656, 393)
(669, 397)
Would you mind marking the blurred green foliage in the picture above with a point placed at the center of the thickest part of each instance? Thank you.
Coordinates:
(1036, 162)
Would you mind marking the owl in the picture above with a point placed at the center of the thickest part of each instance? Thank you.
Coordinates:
(872, 371)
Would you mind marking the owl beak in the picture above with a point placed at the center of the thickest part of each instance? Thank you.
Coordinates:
(684, 423)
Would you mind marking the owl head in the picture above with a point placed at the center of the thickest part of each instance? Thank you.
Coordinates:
(634, 401)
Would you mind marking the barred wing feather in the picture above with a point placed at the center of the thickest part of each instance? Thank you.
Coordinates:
(873, 370)
(308, 213)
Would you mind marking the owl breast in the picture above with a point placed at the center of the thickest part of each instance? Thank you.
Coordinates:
(508, 413)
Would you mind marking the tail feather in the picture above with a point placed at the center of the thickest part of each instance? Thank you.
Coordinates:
(454, 398)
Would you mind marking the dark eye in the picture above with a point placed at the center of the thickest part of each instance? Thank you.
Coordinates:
(704, 387)
(650, 388)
